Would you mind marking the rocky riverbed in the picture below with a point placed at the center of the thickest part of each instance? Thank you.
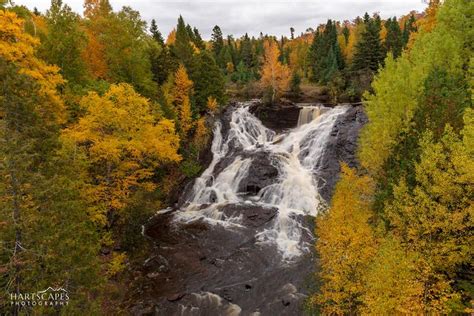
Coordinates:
(239, 239)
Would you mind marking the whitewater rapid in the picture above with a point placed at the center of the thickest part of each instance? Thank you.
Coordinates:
(296, 154)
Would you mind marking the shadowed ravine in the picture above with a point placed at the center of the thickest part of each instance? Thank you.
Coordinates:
(239, 242)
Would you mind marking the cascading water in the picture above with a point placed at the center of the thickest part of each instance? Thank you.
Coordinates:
(308, 113)
(234, 242)
(295, 154)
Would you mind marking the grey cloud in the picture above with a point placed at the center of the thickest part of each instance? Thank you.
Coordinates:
(240, 17)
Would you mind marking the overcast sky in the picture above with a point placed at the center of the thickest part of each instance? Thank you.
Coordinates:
(273, 17)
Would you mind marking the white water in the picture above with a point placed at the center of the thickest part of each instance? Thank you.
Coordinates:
(308, 113)
(296, 155)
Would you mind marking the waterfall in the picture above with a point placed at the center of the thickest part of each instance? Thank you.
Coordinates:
(308, 113)
(295, 154)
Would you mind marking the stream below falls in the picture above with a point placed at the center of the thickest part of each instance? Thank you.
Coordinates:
(240, 239)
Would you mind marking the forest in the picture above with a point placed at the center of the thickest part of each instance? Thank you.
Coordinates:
(103, 119)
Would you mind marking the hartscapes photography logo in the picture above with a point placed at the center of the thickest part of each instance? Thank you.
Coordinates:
(48, 297)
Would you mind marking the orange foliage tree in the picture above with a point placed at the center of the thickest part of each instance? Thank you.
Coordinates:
(275, 76)
(96, 13)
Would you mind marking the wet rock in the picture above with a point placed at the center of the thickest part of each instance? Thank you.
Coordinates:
(261, 174)
(341, 147)
(175, 297)
(277, 117)
(252, 215)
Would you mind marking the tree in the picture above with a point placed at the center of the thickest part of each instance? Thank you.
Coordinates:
(64, 42)
(391, 284)
(408, 28)
(394, 39)
(123, 144)
(325, 54)
(182, 46)
(181, 97)
(246, 52)
(19, 48)
(292, 32)
(96, 8)
(155, 33)
(399, 86)
(212, 104)
(127, 51)
(97, 18)
(295, 83)
(275, 76)
(210, 82)
(434, 219)
(198, 41)
(47, 238)
(163, 63)
(369, 53)
(346, 244)
(217, 42)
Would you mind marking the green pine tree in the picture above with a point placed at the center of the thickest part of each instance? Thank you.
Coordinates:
(210, 82)
(155, 33)
(394, 39)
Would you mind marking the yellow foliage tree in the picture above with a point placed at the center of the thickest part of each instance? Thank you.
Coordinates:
(275, 76)
(345, 243)
(181, 97)
(229, 67)
(171, 37)
(19, 48)
(123, 144)
(212, 104)
(435, 219)
(201, 134)
(391, 286)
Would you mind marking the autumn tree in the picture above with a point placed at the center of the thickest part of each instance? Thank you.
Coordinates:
(19, 48)
(97, 14)
(275, 76)
(346, 244)
(123, 143)
(182, 91)
(389, 112)
(416, 143)
(434, 221)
